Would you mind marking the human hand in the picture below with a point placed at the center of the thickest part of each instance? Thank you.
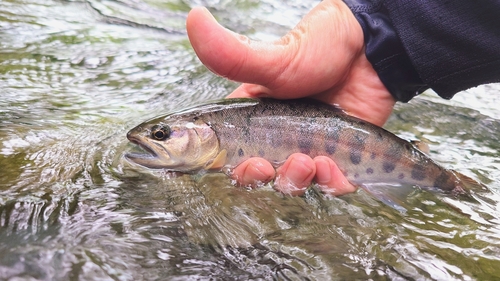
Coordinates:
(322, 57)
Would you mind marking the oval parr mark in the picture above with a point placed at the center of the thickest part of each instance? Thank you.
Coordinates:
(418, 173)
(443, 181)
(388, 167)
(305, 145)
(331, 139)
(330, 148)
(357, 144)
(355, 157)
(304, 141)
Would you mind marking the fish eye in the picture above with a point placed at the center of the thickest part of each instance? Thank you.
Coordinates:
(159, 132)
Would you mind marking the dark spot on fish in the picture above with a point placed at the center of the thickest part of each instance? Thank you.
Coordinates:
(261, 153)
(331, 139)
(345, 173)
(356, 175)
(305, 145)
(418, 173)
(373, 155)
(369, 171)
(357, 145)
(401, 176)
(355, 157)
(330, 148)
(442, 181)
(240, 152)
(305, 142)
(388, 167)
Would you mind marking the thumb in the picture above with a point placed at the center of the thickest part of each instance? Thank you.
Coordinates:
(229, 54)
(313, 57)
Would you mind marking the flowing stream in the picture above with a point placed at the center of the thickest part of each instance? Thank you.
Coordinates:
(75, 76)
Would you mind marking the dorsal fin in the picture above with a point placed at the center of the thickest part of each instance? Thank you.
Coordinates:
(421, 145)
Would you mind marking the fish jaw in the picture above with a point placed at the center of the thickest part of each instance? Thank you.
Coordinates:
(152, 158)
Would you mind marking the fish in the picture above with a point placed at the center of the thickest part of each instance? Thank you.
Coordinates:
(219, 135)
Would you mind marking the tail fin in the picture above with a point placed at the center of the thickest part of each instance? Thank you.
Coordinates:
(467, 184)
(474, 190)
(475, 200)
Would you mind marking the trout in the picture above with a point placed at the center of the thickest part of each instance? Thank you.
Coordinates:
(222, 134)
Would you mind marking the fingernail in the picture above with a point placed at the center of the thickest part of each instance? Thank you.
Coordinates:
(254, 176)
(323, 172)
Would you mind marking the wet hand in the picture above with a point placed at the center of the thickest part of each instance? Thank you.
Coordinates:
(322, 57)
(296, 174)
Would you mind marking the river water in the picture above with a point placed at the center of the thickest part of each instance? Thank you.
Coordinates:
(75, 76)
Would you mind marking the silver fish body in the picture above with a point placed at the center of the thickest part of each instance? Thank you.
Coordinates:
(224, 133)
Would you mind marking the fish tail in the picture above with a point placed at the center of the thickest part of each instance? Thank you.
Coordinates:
(466, 184)
(470, 190)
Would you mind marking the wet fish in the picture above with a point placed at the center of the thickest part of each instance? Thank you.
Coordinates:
(222, 134)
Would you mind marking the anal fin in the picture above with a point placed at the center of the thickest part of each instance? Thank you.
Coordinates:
(392, 195)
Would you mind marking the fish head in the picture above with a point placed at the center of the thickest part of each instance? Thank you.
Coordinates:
(173, 143)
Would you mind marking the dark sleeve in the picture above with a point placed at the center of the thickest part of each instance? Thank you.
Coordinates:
(448, 46)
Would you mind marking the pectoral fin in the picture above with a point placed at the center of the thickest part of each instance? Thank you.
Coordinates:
(393, 195)
(218, 162)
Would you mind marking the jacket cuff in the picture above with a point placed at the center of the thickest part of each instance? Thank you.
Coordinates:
(385, 51)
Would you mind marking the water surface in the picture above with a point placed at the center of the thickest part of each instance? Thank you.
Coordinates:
(77, 75)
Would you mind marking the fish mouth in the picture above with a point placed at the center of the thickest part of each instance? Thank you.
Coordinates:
(148, 152)
(148, 158)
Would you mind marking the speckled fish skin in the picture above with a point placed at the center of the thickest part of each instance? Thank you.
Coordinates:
(274, 129)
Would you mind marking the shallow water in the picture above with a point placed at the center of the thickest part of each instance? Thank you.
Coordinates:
(76, 75)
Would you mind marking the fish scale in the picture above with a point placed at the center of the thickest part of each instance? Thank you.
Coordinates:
(222, 134)
(364, 152)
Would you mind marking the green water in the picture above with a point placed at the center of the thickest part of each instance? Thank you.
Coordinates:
(75, 76)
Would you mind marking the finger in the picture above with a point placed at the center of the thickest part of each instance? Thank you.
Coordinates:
(311, 58)
(295, 176)
(329, 177)
(253, 172)
(229, 54)
(250, 91)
